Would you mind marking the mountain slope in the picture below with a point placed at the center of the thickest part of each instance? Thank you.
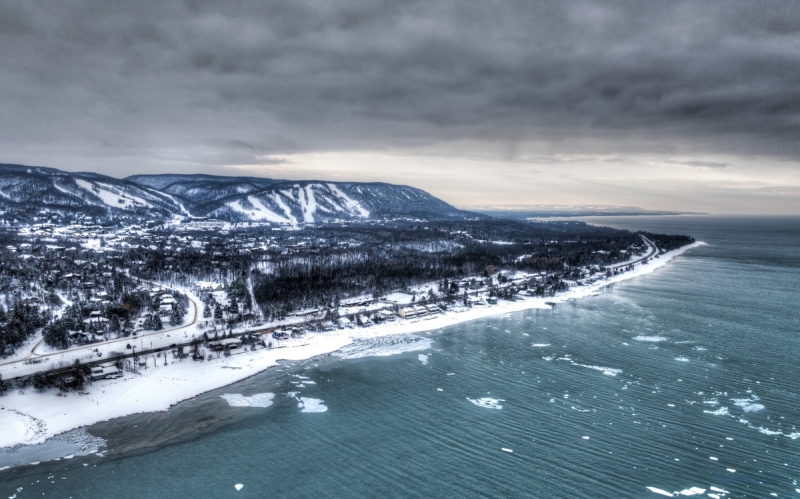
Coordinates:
(253, 199)
(35, 188)
(313, 202)
(26, 190)
(200, 189)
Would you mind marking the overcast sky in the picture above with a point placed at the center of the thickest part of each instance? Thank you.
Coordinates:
(663, 105)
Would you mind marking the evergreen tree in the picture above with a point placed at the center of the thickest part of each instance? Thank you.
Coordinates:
(39, 382)
(113, 324)
(176, 318)
(78, 374)
(207, 312)
(234, 308)
(218, 312)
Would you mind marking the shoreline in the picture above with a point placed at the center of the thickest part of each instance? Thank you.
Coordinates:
(34, 418)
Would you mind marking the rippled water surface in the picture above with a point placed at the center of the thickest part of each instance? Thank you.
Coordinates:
(679, 381)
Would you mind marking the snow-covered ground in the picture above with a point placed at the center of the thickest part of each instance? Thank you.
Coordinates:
(32, 417)
(49, 358)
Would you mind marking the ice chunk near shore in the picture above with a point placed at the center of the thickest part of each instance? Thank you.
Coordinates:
(650, 339)
(487, 403)
(423, 358)
(256, 400)
(382, 347)
(307, 404)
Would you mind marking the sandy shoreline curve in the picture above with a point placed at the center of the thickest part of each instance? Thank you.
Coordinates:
(33, 418)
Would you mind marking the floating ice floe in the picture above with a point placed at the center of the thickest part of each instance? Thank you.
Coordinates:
(651, 339)
(749, 404)
(692, 491)
(257, 400)
(487, 403)
(682, 359)
(311, 405)
(660, 491)
(541, 345)
(423, 358)
(238, 486)
(506, 450)
(608, 371)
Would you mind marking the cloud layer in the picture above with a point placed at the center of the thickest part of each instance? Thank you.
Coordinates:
(706, 91)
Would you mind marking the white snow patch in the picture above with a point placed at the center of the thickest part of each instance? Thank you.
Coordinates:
(348, 202)
(282, 206)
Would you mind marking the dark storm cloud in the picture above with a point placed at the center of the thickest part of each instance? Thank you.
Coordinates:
(167, 84)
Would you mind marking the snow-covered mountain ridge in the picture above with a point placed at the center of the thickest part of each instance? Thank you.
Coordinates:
(235, 199)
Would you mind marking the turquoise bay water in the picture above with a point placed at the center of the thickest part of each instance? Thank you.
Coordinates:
(698, 360)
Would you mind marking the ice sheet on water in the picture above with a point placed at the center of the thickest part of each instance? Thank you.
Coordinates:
(487, 403)
(311, 405)
(650, 339)
(381, 347)
(257, 400)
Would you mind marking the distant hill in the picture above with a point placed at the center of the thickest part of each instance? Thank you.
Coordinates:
(524, 212)
(235, 199)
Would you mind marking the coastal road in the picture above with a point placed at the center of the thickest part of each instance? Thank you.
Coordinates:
(652, 251)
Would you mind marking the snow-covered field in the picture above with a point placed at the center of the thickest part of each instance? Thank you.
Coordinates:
(32, 417)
